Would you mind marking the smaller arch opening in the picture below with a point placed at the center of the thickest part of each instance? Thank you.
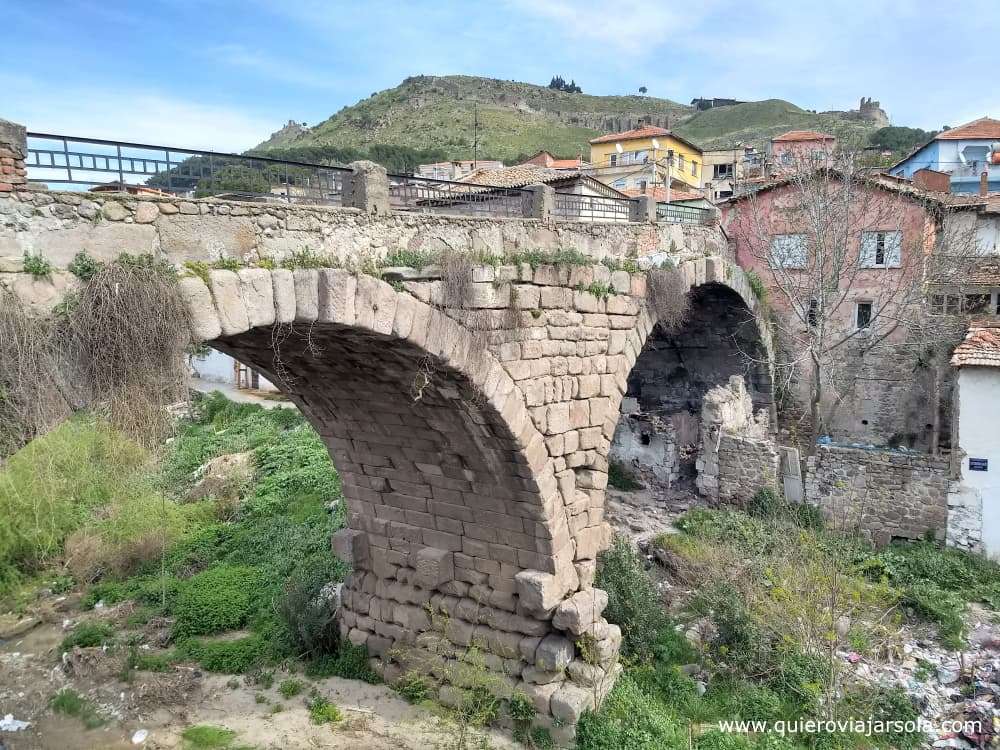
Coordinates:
(660, 439)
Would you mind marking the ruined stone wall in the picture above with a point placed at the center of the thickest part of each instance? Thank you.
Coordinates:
(884, 494)
(738, 455)
(13, 175)
(965, 518)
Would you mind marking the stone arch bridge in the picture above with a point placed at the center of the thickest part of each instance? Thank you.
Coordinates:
(472, 439)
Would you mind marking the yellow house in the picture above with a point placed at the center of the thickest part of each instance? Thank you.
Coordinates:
(626, 160)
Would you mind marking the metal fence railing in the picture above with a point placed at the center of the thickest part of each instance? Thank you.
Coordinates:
(139, 167)
(684, 214)
(593, 208)
(426, 195)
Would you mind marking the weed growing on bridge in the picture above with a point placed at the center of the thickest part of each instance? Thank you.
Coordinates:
(83, 266)
(309, 258)
(667, 295)
(32, 395)
(127, 338)
(628, 265)
(600, 290)
(37, 265)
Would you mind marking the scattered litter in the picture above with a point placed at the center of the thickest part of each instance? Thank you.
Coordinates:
(9, 724)
(140, 736)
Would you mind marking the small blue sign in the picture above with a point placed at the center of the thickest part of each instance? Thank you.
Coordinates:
(979, 464)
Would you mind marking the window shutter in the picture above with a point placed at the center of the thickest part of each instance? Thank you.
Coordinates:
(867, 259)
(894, 249)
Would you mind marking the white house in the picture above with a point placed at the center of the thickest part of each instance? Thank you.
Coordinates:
(976, 502)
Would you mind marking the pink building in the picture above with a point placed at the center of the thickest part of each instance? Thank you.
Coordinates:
(801, 148)
(878, 239)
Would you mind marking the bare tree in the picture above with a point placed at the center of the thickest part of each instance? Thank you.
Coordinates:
(847, 258)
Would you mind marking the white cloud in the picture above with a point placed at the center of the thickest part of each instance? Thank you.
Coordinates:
(137, 115)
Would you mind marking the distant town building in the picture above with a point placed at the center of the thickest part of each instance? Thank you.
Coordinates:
(798, 149)
(703, 104)
(546, 159)
(455, 170)
(725, 167)
(639, 157)
(563, 180)
(964, 153)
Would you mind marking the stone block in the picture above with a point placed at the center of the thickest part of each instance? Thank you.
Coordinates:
(570, 701)
(554, 653)
(577, 613)
(434, 567)
(197, 298)
(351, 546)
(336, 296)
(539, 592)
(228, 298)
(258, 295)
(283, 288)
(306, 294)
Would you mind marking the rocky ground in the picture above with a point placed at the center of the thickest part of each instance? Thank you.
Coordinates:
(151, 709)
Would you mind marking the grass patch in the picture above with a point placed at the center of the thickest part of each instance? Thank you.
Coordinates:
(88, 635)
(70, 703)
(322, 711)
(214, 601)
(208, 737)
(290, 688)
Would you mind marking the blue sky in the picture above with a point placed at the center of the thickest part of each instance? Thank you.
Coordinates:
(223, 75)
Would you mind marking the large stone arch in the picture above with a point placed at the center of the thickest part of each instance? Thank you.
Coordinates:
(458, 532)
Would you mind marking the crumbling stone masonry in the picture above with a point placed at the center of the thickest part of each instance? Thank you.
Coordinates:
(884, 494)
(738, 454)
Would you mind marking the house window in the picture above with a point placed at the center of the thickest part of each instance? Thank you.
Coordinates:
(812, 315)
(694, 168)
(788, 251)
(818, 155)
(680, 162)
(881, 249)
(976, 304)
(724, 194)
(619, 184)
(946, 304)
(863, 315)
(722, 171)
(642, 186)
(613, 160)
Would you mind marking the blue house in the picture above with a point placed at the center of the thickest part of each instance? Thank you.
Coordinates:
(963, 153)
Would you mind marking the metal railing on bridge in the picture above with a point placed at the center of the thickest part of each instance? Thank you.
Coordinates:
(678, 214)
(144, 168)
(592, 208)
(428, 195)
(105, 165)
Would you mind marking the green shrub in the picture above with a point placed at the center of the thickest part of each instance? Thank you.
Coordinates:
(629, 719)
(322, 711)
(226, 657)
(290, 688)
(945, 608)
(69, 702)
(769, 504)
(349, 662)
(37, 265)
(621, 478)
(633, 602)
(306, 613)
(414, 687)
(308, 258)
(83, 266)
(757, 286)
(88, 635)
(214, 601)
(57, 483)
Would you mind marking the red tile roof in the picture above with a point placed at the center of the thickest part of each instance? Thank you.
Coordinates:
(981, 347)
(803, 135)
(984, 127)
(646, 132)
(660, 194)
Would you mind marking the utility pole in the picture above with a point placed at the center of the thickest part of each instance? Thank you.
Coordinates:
(670, 161)
(475, 135)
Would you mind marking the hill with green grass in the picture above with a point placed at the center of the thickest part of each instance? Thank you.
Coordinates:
(437, 114)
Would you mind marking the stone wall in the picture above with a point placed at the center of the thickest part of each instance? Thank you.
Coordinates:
(884, 494)
(13, 174)
(965, 518)
(738, 455)
(59, 225)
